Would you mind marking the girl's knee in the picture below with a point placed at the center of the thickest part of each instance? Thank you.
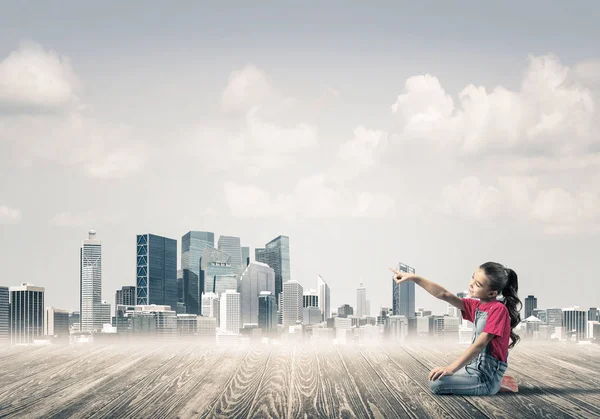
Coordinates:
(436, 386)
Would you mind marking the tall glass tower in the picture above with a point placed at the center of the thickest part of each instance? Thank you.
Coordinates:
(90, 283)
(276, 254)
(156, 276)
(324, 298)
(530, 305)
(404, 294)
(4, 315)
(193, 244)
(231, 246)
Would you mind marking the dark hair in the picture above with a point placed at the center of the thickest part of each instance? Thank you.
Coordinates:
(505, 281)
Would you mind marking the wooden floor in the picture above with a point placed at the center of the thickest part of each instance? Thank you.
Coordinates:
(555, 380)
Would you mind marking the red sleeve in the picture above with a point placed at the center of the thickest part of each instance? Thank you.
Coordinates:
(496, 320)
(469, 312)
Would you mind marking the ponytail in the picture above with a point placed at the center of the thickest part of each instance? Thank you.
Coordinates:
(512, 303)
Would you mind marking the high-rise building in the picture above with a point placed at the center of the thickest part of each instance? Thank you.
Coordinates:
(361, 300)
(4, 316)
(156, 270)
(404, 294)
(276, 254)
(256, 278)
(292, 303)
(105, 314)
(26, 313)
(554, 318)
(125, 296)
(187, 325)
(324, 298)
(230, 312)
(345, 310)
(231, 245)
(245, 256)
(211, 306)
(541, 314)
(56, 323)
(311, 315)
(90, 283)
(216, 272)
(594, 314)
(193, 244)
(574, 321)
(310, 298)
(267, 312)
(530, 305)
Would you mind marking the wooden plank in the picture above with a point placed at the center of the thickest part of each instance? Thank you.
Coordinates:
(402, 374)
(239, 392)
(271, 398)
(211, 383)
(306, 396)
(531, 401)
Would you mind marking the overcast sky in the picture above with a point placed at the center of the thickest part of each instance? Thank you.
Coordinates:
(441, 136)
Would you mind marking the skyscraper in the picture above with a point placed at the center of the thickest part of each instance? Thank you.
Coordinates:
(4, 316)
(361, 300)
(26, 313)
(245, 256)
(193, 244)
(156, 281)
(292, 303)
(125, 296)
(231, 246)
(276, 254)
(324, 297)
(404, 294)
(267, 311)
(257, 277)
(530, 305)
(90, 283)
(211, 306)
(575, 321)
(230, 312)
(310, 298)
(216, 272)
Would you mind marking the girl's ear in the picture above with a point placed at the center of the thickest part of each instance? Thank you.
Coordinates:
(493, 294)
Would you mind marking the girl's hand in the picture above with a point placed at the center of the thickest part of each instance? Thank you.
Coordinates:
(439, 372)
(401, 276)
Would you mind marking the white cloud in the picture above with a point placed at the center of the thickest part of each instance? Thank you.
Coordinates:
(361, 150)
(246, 88)
(588, 70)
(311, 198)
(470, 198)
(46, 122)
(35, 79)
(549, 115)
(9, 215)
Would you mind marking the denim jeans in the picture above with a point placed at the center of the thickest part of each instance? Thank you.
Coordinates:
(482, 377)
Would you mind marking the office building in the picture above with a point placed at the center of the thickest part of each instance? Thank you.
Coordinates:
(156, 270)
(257, 277)
(403, 294)
(4, 316)
(26, 313)
(230, 312)
(530, 305)
(90, 283)
(292, 303)
(310, 298)
(361, 301)
(193, 244)
(276, 254)
(56, 323)
(324, 297)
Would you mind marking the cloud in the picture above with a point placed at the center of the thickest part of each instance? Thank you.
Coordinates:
(361, 150)
(551, 114)
(246, 88)
(33, 79)
(312, 198)
(46, 121)
(557, 210)
(256, 146)
(9, 215)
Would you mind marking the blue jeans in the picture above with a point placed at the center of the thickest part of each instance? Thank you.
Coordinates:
(481, 377)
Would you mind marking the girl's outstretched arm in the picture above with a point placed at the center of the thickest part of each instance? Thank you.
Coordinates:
(466, 357)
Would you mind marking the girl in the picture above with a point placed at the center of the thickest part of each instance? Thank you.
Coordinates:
(479, 370)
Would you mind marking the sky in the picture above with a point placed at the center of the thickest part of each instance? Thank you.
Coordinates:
(438, 135)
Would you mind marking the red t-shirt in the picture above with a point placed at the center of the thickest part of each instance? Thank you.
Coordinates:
(497, 323)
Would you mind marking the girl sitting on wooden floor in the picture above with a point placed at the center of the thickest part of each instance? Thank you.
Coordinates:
(479, 370)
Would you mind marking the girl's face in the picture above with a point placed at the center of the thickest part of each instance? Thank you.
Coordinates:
(479, 287)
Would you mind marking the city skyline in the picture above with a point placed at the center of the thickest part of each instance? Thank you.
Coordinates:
(432, 139)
